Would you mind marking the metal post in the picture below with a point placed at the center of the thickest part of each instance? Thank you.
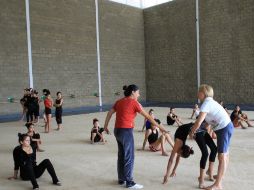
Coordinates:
(98, 51)
(198, 48)
(29, 45)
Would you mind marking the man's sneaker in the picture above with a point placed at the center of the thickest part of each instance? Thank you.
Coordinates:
(133, 185)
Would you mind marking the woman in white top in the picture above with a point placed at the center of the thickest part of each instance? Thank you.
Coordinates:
(216, 116)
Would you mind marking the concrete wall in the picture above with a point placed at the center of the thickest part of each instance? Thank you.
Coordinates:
(13, 52)
(227, 48)
(63, 35)
(122, 49)
(64, 49)
(170, 46)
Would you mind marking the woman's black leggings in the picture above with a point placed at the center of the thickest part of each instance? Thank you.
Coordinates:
(203, 139)
(33, 172)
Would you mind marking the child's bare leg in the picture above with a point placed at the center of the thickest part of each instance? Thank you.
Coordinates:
(49, 122)
(180, 121)
(59, 127)
(45, 118)
(93, 136)
(241, 124)
(46, 126)
(169, 139)
(209, 172)
(201, 178)
(103, 140)
(248, 123)
(177, 122)
(162, 141)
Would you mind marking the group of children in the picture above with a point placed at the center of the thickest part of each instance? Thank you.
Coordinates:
(31, 107)
(157, 139)
(24, 154)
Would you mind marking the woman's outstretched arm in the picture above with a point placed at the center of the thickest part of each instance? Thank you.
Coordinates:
(108, 117)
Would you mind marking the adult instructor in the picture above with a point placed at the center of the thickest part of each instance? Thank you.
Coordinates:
(216, 116)
(126, 110)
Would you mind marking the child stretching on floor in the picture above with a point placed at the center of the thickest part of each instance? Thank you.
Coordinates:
(173, 118)
(157, 143)
(238, 117)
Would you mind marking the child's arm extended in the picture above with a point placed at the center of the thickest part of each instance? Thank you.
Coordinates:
(148, 132)
(169, 166)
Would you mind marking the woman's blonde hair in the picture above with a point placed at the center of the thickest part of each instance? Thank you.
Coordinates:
(206, 89)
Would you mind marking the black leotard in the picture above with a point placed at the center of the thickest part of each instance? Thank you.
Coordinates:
(182, 132)
(153, 137)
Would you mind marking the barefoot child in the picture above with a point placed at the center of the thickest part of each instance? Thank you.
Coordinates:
(96, 132)
(48, 102)
(180, 149)
(157, 143)
(173, 118)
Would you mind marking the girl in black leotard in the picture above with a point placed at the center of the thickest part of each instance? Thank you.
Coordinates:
(157, 143)
(202, 139)
(97, 132)
(25, 160)
(173, 118)
(180, 149)
(59, 110)
(35, 137)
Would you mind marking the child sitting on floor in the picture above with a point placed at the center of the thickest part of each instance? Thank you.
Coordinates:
(96, 132)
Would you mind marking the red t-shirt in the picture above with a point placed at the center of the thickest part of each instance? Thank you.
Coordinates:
(126, 110)
(47, 103)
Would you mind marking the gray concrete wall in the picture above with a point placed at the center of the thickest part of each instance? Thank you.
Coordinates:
(64, 49)
(63, 35)
(227, 48)
(13, 52)
(170, 46)
(122, 49)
